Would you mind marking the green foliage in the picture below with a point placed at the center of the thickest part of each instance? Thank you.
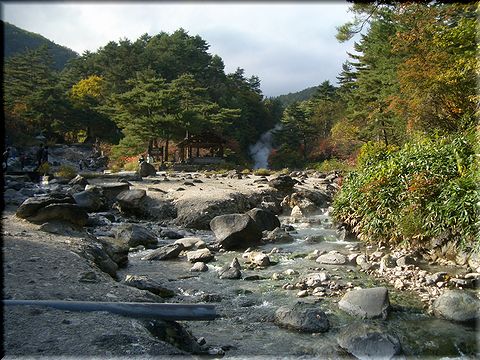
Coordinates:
(410, 195)
(131, 166)
(330, 165)
(290, 98)
(66, 171)
(44, 168)
(262, 172)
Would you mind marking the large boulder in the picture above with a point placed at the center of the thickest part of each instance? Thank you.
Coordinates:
(189, 242)
(146, 169)
(365, 341)
(235, 231)
(31, 206)
(95, 253)
(71, 213)
(264, 219)
(78, 180)
(91, 200)
(111, 190)
(283, 183)
(165, 252)
(457, 305)
(131, 202)
(306, 201)
(197, 212)
(366, 303)
(302, 317)
(134, 235)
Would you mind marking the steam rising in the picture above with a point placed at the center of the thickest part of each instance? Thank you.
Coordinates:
(262, 149)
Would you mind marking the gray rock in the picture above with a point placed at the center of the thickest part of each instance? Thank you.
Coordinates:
(302, 317)
(264, 219)
(142, 282)
(131, 202)
(135, 235)
(235, 231)
(230, 273)
(332, 258)
(188, 242)
(71, 213)
(78, 180)
(116, 249)
(406, 260)
(203, 255)
(146, 169)
(366, 303)
(366, 341)
(91, 200)
(457, 305)
(111, 190)
(283, 183)
(279, 235)
(165, 252)
(199, 267)
(170, 234)
(60, 228)
(32, 205)
(96, 254)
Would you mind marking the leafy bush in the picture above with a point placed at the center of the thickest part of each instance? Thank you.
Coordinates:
(330, 165)
(262, 172)
(44, 168)
(66, 171)
(413, 194)
(131, 165)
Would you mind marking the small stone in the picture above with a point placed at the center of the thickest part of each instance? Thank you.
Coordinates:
(199, 266)
(302, 293)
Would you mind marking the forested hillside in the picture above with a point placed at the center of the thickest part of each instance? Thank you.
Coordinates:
(155, 89)
(18, 41)
(301, 95)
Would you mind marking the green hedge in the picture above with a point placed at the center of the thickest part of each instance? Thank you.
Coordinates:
(408, 196)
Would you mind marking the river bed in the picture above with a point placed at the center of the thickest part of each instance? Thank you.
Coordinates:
(246, 307)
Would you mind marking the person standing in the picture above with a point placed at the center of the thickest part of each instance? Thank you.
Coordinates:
(40, 155)
(6, 155)
(45, 155)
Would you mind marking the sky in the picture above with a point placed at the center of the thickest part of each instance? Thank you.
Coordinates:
(289, 45)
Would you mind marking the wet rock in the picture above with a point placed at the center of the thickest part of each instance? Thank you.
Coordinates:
(143, 282)
(315, 279)
(135, 235)
(302, 293)
(366, 303)
(165, 252)
(365, 341)
(189, 242)
(457, 305)
(146, 169)
(290, 272)
(259, 259)
(264, 219)
(307, 201)
(435, 278)
(199, 267)
(170, 234)
(387, 262)
(332, 258)
(302, 317)
(279, 235)
(231, 271)
(235, 231)
(71, 213)
(203, 255)
(314, 239)
(91, 200)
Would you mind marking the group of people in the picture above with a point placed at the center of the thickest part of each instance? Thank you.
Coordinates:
(41, 157)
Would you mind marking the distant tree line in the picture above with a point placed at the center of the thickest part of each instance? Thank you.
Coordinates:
(414, 73)
(157, 88)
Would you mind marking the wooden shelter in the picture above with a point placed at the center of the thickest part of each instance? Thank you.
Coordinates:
(211, 144)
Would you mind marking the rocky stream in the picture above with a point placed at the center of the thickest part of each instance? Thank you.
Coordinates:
(285, 280)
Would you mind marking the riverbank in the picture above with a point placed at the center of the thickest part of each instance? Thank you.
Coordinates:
(56, 262)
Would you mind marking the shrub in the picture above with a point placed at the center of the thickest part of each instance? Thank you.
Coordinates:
(44, 168)
(262, 172)
(66, 171)
(131, 165)
(413, 194)
(330, 165)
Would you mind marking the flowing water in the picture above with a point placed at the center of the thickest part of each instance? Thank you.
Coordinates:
(246, 307)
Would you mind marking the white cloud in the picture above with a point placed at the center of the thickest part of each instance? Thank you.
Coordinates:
(288, 45)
